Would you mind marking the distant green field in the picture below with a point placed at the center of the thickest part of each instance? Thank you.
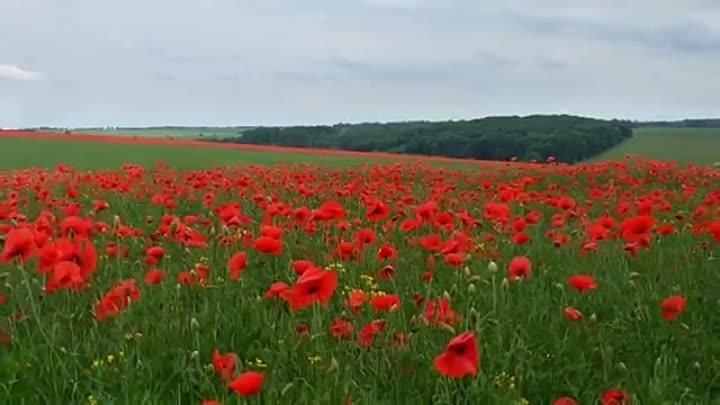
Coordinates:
(684, 145)
(171, 132)
(26, 153)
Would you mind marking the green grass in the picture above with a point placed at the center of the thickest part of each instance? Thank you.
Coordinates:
(26, 153)
(684, 145)
(159, 132)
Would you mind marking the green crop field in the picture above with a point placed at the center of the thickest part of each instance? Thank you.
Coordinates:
(684, 145)
(165, 132)
(159, 132)
(26, 153)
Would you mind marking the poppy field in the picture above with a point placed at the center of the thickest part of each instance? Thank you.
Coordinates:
(402, 283)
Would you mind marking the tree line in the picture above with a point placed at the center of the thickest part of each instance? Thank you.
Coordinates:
(564, 137)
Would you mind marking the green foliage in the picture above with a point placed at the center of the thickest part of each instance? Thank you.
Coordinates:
(567, 138)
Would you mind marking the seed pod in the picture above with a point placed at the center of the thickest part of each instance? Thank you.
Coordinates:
(492, 267)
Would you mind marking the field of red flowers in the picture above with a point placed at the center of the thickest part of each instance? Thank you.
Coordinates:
(384, 284)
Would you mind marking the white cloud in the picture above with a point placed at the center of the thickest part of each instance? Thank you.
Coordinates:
(15, 73)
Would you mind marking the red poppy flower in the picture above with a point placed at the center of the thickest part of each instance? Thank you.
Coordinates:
(369, 331)
(224, 365)
(521, 238)
(300, 266)
(387, 272)
(271, 231)
(455, 259)
(565, 401)
(278, 290)
(236, 264)
(441, 313)
(461, 357)
(117, 300)
(356, 299)
(66, 276)
(314, 286)
(248, 384)
(18, 243)
(572, 314)
(582, 282)
(387, 252)
(672, 307)
(520, 268)
(154, 276)
(341, 329)
(154, 255)
(3, 300)
(615, 397)
(265, 244)
(388, 302)
(76, 226)
(377, 211)
(186, 278)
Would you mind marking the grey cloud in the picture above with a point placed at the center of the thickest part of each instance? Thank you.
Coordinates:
(683, 36)
(284, 61)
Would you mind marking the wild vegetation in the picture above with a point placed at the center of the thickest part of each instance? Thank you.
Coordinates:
(563, 137)
(379, 284)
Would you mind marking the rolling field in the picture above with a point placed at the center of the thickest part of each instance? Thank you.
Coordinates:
(179, 132)
(351, 279)
(19, 149)
(43, 153)
(684, 145)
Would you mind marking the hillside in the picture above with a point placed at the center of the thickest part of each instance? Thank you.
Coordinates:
(700, 146)
(567, 138)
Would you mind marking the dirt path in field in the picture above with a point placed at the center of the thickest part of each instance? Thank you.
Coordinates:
(134, 140)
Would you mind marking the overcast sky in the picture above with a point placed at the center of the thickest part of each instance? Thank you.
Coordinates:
(245, 62)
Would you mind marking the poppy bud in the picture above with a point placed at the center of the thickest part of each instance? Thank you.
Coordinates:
(467, 271)
(634, 274)
(593, 318)
(194, 355)
(473, 316)
(472, 289)
(447, 295)
(622, 366)
(559, 286)
(685, 326)
(117, 221)
(505, 284)
(492, 267)
(194, 324)
(453, 291)
(697, 366)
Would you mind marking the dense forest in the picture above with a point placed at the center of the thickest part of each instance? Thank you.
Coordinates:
(564, 137)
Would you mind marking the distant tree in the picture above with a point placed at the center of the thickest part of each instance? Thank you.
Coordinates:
(567, 138)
